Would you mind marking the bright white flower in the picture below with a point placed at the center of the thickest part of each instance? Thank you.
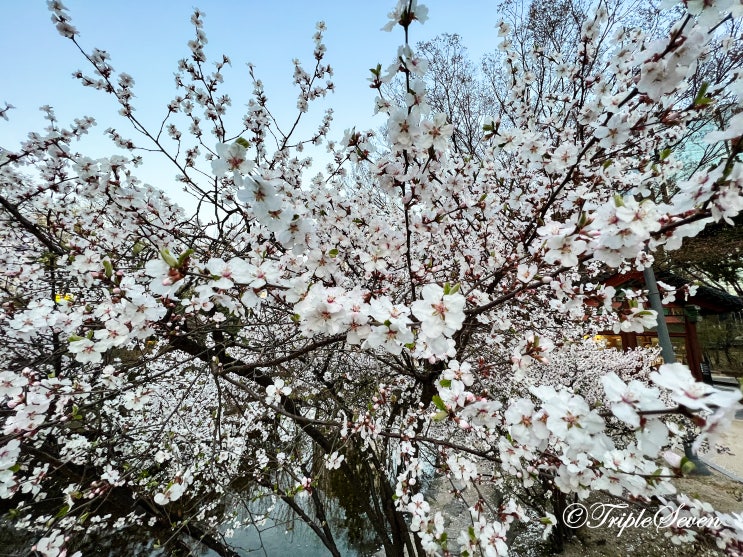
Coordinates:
(322, 311)
(526, 273)
(652, 437)
(333, 461)
(9, 454)
(568, 416)
(86, 351)
(51, 546)
(235, 271)
(403, 129)
(115, 334)
(111, 476)
(459, 372)
(637, 321)
(166, 281)
(11, 384)
(628, 399)
(419, 509)
(172, 493)
(439, 313)
(689, 392)
(392, 337)
(276, 391)
(435, 133)
(262, 195)
(614, 133)
(493, 540)
(462, 471)
(231, 158)
(401, 14)
(549, 522)
(136, 400)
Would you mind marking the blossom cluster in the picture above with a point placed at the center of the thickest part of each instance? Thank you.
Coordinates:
(410, 310)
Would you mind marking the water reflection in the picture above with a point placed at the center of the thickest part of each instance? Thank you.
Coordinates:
(278, 534)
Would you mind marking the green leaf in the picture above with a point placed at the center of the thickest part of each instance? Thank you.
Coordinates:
(333, 252)
(243, 142)
(185, 255)
(108, 268)
(63, 511)
(687, 466)
(168, 258)
(438, 402)
(702, 99)
(665, 153)
(439, 416)
(446, 383)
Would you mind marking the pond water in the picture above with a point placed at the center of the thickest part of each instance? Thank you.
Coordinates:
(277, 536)
(294, 538)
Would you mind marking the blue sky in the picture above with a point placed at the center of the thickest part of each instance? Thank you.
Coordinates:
(146, 38)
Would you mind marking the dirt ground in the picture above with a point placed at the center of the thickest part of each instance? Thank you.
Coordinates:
(724, 493)
(730, 461)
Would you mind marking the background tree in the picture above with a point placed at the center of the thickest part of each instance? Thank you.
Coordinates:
(468, 95)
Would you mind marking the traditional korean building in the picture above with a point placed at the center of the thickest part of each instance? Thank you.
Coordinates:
(682, 315)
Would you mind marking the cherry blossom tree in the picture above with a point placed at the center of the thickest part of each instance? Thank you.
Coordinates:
(164, 369)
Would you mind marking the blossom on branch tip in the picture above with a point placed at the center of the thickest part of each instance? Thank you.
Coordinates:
(232, 157)
(627, 399)
(689, 392)
(439, 313)
(405, 13)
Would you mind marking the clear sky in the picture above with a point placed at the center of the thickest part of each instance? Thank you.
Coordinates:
(146, 38)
